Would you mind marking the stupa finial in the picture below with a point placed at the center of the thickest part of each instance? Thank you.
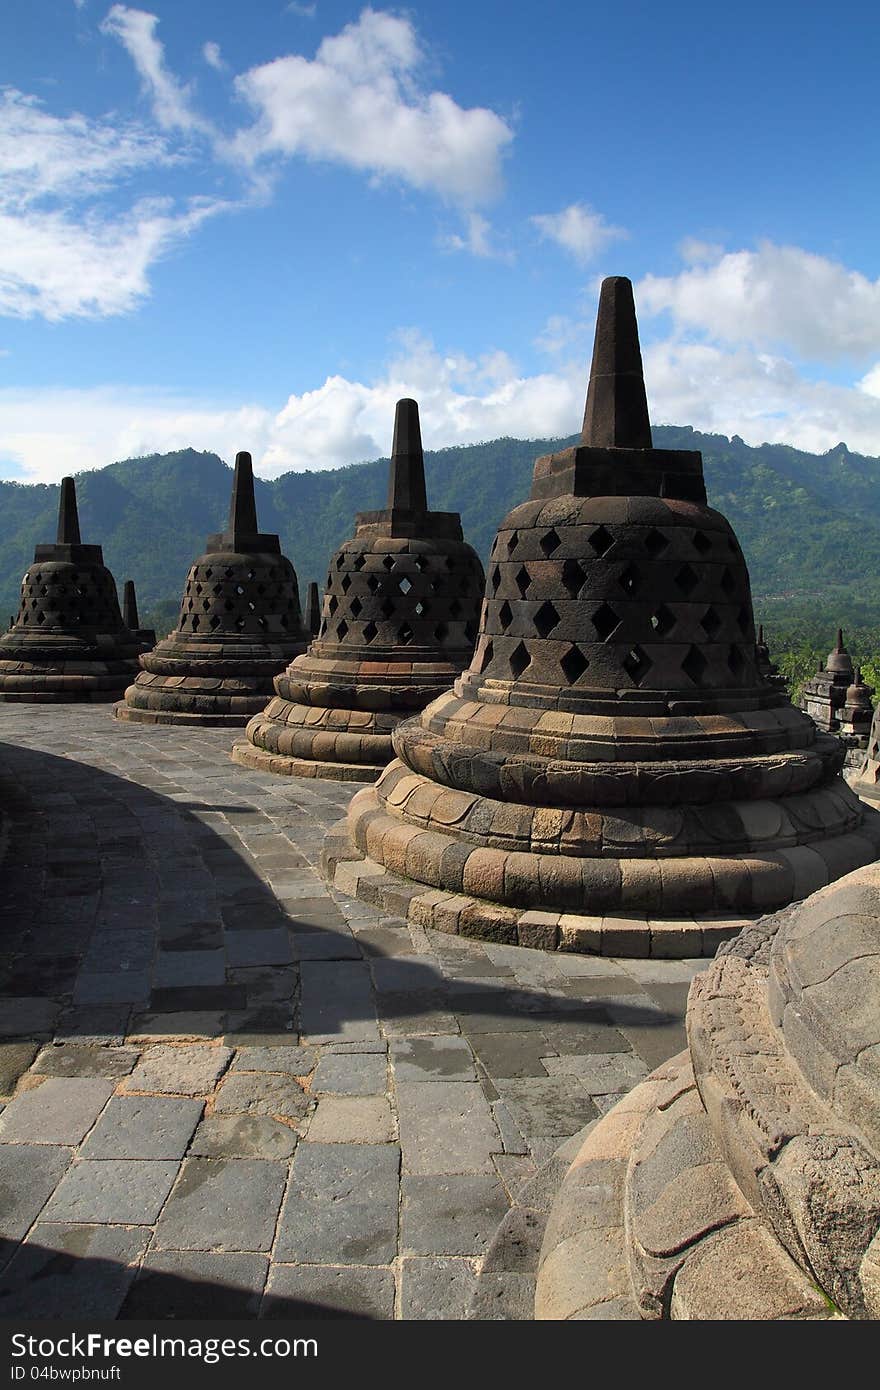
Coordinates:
(840, 647)
(130, 606)
(406, 481)
(68, 517)
(243, 506)
(313, 610)
(616, 414)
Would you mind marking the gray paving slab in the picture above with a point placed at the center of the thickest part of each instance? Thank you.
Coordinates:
(437, 1287)
(328, 1291)
(452, 1214)
(556, 1106)
(262, 1093)
(337, 1001)
(296, 1061)
(354, 1074)
(143, 1127)
(126, 1192)
(192, 1069)
(15, 1058)
(223, 1204)
(342, 1205)
(197, 1284)
(29, 1174)
(446, 1127)
(71, 1271)
(352, 1120)
(243, 1136)
(438, 1058)
(60, 1110)
(83, 1059)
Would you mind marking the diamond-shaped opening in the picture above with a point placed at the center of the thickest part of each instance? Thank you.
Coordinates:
(486, 658)
(663, 621)
(404, 585)
(629, 580)
(346, 583)
(694, 665)
(195, 622)
(359, 562)
(340, 560)
(546, 619)
(449, 562)
(512, 542)
(523, 580)
(605, 621)
(655, 543)
(239, 623)
(455, 609)
(600, 540)
(228, 605)
(572, 577)
(208, 572)
(370, 631)
(735, 661)
(505, 615)
(441, 632)
(470, 632)
(373, 583)
(710, 622)
(687, 579)
(549, 542)
(341, 628)
(518, 660)
(422, 562)
(701, 542)
(421, 608)
(743, 618)
(573, 664)
(405, 634)
(386, 608)
(355, 606)
(332, 605)
(636, 664)
(496, 579)
(239, 589)
(728, 583)
(214, 623)
(389, 562)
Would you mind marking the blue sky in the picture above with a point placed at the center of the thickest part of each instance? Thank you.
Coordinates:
(257, 226)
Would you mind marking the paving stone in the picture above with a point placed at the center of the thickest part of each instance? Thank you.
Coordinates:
(575, 1036)
(516, 1246)
(297, 1061)
(444, 1058)
(554, 1106)
(511, 1136)
(15, 1058)
(266, 947)
(650, 1029)
(143, 1127)
(446, 1127)
(261, 1093)
(27, 1017)
(352, 1120)
(243, 1136)
(222, 1204)
(29, 1174)
(131, 987)
(327, 1291)
(99, 1025)
(176, 1027)
(324, 945)
(455, 1214)
(352, 1074)
(341, 1204)
(606, 1073)
(511, 1054)
(197, 1284)
(176, 969)
(438, 1287)
(124, 1192)
(503, 1297)
(265, 984)
(80, 1059)
(71, 1271)
(188, 1070)
(59, 1111)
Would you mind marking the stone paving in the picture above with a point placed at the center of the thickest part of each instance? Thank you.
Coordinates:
(233, 1092)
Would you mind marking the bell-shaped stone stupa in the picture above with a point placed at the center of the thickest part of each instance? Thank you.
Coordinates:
(399, 623)
(69, 641)
(612, 773)
(239, 624)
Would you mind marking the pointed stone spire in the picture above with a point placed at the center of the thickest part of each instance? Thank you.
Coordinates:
(761, 642)
(840, 647)
(243, 506)
(130, 607)
(68, 517)
(406, 481)
(313, 610)
(616, 414)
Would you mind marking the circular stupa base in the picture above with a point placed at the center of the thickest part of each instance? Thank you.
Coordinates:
(35, 686)
(209, 719)
(258, 758)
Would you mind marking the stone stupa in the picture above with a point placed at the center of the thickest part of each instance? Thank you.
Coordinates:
(824, 695)
(145, 635)
(69, 641)
(612, 773)
(239, 624)
(399, 623)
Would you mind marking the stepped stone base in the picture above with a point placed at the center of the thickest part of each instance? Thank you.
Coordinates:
(297, 739)
(249, 756)
(73, 681)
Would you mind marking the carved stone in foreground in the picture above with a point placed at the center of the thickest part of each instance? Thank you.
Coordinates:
(68, 641)
(239, 623)
(614, 750)
(398, 625)
(751, 1163)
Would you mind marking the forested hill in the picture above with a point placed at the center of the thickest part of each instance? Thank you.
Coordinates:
(809, 524)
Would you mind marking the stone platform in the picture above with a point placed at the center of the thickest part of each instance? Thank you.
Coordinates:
(232, 1092)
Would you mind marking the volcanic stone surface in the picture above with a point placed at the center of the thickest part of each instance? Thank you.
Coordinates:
(239, 623)
(399, 622)
(742, 1179)
(69, 641)
(613, 764)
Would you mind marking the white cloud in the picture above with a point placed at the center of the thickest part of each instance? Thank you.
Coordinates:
(136, 31)
(357, 103)
(578, 230)
(213, 57)
(777, 297)
(304, 11)
(477, 240)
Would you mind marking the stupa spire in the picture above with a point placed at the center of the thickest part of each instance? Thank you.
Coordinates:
(313, 610)
(406, 479)
(616, 414)
(68, 517)
(130, 606)
(242, 505)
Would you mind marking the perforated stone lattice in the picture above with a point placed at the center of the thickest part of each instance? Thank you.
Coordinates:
(247, 595)
(60, 595)
(652, 615)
